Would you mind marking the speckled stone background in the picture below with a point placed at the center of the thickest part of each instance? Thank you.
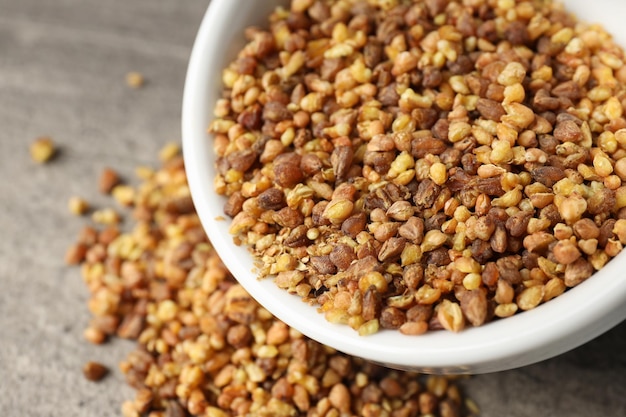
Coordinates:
(62, 69)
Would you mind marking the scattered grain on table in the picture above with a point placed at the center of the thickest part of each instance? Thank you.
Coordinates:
(135, 80)
(204, 346)
(42, 149)
(108, 179)
(78, 205)
(94, 371)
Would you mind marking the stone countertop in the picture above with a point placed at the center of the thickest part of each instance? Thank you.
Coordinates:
(62, 73)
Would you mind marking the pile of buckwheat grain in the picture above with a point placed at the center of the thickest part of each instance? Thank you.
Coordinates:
(421, 165)
(205, 347)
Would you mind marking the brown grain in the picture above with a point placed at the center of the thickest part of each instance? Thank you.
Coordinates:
(414, 147)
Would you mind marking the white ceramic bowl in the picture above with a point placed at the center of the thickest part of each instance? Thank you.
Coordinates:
(562, 324)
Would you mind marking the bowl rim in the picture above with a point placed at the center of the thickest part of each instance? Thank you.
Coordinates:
(522, 339)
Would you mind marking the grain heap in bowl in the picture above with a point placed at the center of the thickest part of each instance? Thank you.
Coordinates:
(423, 165)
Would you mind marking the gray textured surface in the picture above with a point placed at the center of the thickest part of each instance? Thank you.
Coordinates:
(62, 67)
